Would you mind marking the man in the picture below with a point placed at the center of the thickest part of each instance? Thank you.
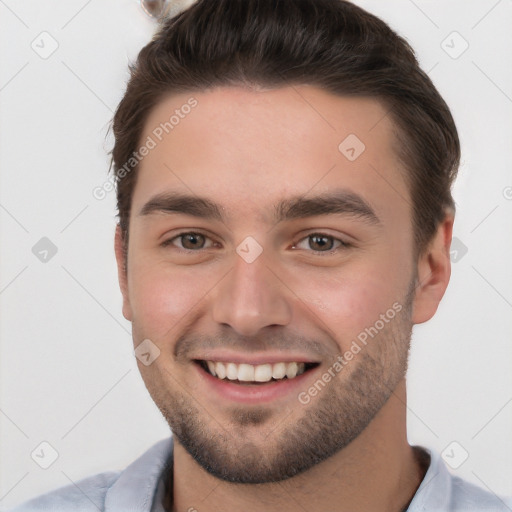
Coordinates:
(285, 216)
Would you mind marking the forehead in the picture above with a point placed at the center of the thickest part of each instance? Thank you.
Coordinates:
(248, 148)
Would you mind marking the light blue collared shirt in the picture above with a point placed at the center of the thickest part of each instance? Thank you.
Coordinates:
(140, 488)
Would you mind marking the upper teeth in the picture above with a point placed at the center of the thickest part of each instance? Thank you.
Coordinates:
(254, 373)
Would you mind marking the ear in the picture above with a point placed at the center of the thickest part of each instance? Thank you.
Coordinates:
(433, 272)
(122, 272)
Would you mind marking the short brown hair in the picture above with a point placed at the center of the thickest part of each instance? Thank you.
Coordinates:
(332, 44)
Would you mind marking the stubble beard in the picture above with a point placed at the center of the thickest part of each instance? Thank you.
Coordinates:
(237, 451)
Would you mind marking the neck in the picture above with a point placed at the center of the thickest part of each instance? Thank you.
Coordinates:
(378, 471)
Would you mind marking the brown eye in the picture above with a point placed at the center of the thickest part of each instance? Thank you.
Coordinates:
(192, 241)
(188, 241)
(322, 243)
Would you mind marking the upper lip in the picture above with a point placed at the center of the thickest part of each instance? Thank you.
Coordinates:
(255, 358)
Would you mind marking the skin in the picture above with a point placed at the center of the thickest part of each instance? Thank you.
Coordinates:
(247, 149)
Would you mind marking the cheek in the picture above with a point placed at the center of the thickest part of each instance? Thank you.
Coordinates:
(348, 304)
(162, 298)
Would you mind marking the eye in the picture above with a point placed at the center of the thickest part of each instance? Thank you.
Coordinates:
(189, 241)
(321, 243)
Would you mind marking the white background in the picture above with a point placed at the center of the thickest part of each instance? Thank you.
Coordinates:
(68, 374)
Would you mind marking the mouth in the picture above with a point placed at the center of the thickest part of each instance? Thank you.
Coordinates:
(260, 374)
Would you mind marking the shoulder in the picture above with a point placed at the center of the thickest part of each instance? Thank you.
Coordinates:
(443, 491)
(85, 495)
(467, 496)
(130, 489)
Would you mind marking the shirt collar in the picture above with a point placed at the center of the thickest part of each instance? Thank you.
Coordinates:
(135, 489)
(141, 486)
(435, 489)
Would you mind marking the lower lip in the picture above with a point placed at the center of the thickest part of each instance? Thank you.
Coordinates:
(254, 393)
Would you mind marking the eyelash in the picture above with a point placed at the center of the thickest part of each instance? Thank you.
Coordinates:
(342, 244)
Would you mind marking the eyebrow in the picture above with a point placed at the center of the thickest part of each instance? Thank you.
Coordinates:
(340, 202)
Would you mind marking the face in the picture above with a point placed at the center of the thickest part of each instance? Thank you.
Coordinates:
(262, 251)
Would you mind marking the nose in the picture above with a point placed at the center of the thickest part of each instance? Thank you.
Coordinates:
(252, 297)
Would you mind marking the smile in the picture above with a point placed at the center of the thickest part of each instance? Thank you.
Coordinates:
(249, 373)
